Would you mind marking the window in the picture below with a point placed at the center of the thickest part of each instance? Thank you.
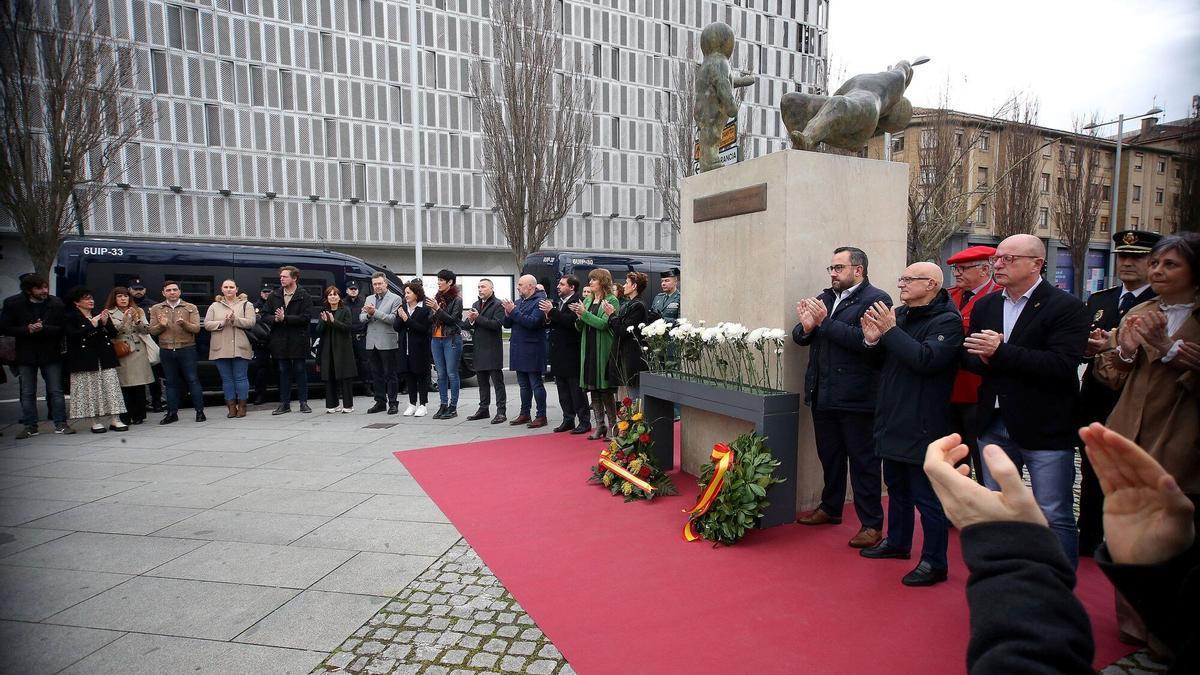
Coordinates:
(1104, 224)
(981, 213)
(1106, 193)
(929, 138)
(927, 175)
(1160, 166)
(898, 143)
(1158, 224)
(1043, 218)
(327, 52)
(1158, 196)
(1137, 193)
(981, 176)
(191, 29)
(983, 141)
(1047, 149)
(175, 26)
(1178, 171)
(212, 124)
(158, 64)
(285, 90)
(1060, 185)
(1138, 157)
(1045, 184)
(330, 137)
(1133, 222)
(256, 85)
(958, 136)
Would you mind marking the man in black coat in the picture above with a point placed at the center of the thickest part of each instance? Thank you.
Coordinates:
(137, 294)
(36, 319)
(1106, 309)
(290, 310)
(564, 357)
(919, 345)
(1027, 342)
(484, 320)
(840, 387)
(262, 365)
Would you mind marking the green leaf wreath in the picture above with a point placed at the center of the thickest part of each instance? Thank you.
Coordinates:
(743, 498)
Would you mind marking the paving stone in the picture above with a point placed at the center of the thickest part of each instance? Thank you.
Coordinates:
(384, 634)
(541, 667)
(380, 666)
(455, 657)
(531, 634)
(470, 641)
(436, 670)
(549, 651)
(508, 631)
(522, 648)
(482, 660)
(397, 651)
(371, 648)
(340, 659)
(512, 664)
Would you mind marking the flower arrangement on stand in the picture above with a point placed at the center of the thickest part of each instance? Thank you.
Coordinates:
(728, 353)
(733, 491)
(626, 467)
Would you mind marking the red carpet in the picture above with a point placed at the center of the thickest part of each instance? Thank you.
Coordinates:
(618, 590)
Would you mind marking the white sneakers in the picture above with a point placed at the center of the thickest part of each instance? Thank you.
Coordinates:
(331, 411)
(347, 410)
(420, 411)
(408, 412)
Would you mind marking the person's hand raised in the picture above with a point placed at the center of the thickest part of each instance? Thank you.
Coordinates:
(870, 328)
(968, 503)
(1147, 518)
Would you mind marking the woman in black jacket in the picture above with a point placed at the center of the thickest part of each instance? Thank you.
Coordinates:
(95, 385)
(338, 367)
(625, 362)
(412, 325)
(446, 342)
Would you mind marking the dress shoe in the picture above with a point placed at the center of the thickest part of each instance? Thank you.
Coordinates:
(565, 426)
(113, 427)
(282, 410)
(451, 411)
(304, 407)
(393, 408)
(923, 575)
(866, 538)
(440, 412)
(170, 418)
(520, 419)
(157, 407)
(819, 517)
(377, 408)
(480, 414)
(583, 428)
(259, 400)
(599, 433)
(499, 419)
(538, 422)
(885, 550)
(200, 417)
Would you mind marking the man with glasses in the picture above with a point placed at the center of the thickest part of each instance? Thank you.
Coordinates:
(840, 388)
(972, 281)
(1027, 342)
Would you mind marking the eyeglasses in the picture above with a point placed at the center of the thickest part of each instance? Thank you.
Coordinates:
(1008, 259)
(908, 280)
(963, 268)
(837, 269)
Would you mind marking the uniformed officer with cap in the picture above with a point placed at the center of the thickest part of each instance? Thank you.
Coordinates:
(137, 295)
(262, 366)
(666, 304)
(1107, 308)
(358, 329)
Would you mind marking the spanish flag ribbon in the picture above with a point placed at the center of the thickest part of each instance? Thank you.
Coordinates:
(722, 454)
(623, 473)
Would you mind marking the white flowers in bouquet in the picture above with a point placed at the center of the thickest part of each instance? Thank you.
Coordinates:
(725, 352)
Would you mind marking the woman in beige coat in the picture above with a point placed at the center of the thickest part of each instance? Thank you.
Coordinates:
(229, 347)
(134, 371)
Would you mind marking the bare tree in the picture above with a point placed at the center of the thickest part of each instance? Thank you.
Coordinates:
(63, 118)
(536, 123)
(674, 116)
(1184, 211)
(1078, 202)
(1017, 194)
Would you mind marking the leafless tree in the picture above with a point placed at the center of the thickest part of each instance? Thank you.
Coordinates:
(1078, 202)
(1184, 211)
(536, 122)
(63, 118)
(1017, 194)
(674, 117)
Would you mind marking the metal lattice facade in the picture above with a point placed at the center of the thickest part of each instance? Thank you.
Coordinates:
(311, 101)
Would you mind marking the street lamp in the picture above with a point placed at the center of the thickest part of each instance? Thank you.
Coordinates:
(414, 23)
(1116, 183)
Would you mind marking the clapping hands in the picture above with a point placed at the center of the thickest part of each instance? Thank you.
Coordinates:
(878, 320)
(812, 313)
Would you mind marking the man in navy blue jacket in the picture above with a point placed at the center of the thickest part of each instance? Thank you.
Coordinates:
(840, 387)
(527, 349)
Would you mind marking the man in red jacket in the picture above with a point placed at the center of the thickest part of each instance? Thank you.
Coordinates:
(972, 280)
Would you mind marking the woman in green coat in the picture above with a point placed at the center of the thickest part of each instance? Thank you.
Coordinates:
(595, 346)
(337, 361)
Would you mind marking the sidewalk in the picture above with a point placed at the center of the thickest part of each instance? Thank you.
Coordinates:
(269, 544)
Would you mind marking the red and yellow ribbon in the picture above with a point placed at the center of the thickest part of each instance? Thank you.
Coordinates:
(723, 455)
(623, 473)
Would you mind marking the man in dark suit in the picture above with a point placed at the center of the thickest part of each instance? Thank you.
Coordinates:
(840, 387)
(564, 357)
(1106, 309)
(1027, 342)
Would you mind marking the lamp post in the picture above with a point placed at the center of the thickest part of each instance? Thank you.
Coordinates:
(413, 74)
(1116, 183)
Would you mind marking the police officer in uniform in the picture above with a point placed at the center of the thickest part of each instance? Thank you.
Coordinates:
(1107, 308)
(262, 366)
(358, 330)
(666, 304)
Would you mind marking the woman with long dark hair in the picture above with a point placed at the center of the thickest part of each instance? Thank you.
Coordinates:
(626, 358)
(595, 347)
(95, 384)
(446, 313)
(135, 370)
(412, 326)
(338, 366)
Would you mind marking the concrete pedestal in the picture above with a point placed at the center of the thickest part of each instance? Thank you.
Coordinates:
(753, 267)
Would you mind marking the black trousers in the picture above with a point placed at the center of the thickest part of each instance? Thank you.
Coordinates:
(361, 360)
(572, 400)
(962, 418)
(418, 388)
(485, 393)
(155, 385)
(383, 374)
(135, 403)
(262, 369)
(343, 388)
(848, 437)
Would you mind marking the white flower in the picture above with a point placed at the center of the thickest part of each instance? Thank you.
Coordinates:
(756, 336)
(701, 322)
(642, 325)
(776, 334)
(630, 329)
(778, 351)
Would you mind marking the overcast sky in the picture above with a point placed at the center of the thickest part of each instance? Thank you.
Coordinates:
(1078, 57)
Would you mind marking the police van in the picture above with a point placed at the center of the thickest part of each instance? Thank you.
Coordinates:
(550, 266)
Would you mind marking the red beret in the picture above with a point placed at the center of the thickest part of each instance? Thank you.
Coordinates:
(972, 254)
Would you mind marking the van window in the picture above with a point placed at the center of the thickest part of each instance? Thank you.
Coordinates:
(198, 290)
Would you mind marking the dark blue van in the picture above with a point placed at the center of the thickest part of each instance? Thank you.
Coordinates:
(550, 266)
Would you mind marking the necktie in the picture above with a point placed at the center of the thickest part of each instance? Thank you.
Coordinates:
(966, 297)
(1127, 302)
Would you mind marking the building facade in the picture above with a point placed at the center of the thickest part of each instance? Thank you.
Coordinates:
(1153, 167)
(290, 121)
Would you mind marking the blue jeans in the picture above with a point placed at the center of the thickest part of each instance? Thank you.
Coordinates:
(52, 376)
(292, 369)
(179, 367)
(909, 487)
(233, 378)
(1052, 474)
(532, 387)
(447, 352)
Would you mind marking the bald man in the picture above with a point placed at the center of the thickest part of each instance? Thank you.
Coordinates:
(1027, 342)
(527, 349)
(917, 348)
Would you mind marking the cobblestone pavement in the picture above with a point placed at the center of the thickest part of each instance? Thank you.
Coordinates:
(1137, 663)
(454, 618)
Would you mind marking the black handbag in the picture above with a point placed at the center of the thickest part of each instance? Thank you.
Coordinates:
(259, 333)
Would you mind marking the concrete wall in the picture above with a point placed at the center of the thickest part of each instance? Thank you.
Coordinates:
(753, 268)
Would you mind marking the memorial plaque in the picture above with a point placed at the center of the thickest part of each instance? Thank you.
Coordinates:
(732, 203)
